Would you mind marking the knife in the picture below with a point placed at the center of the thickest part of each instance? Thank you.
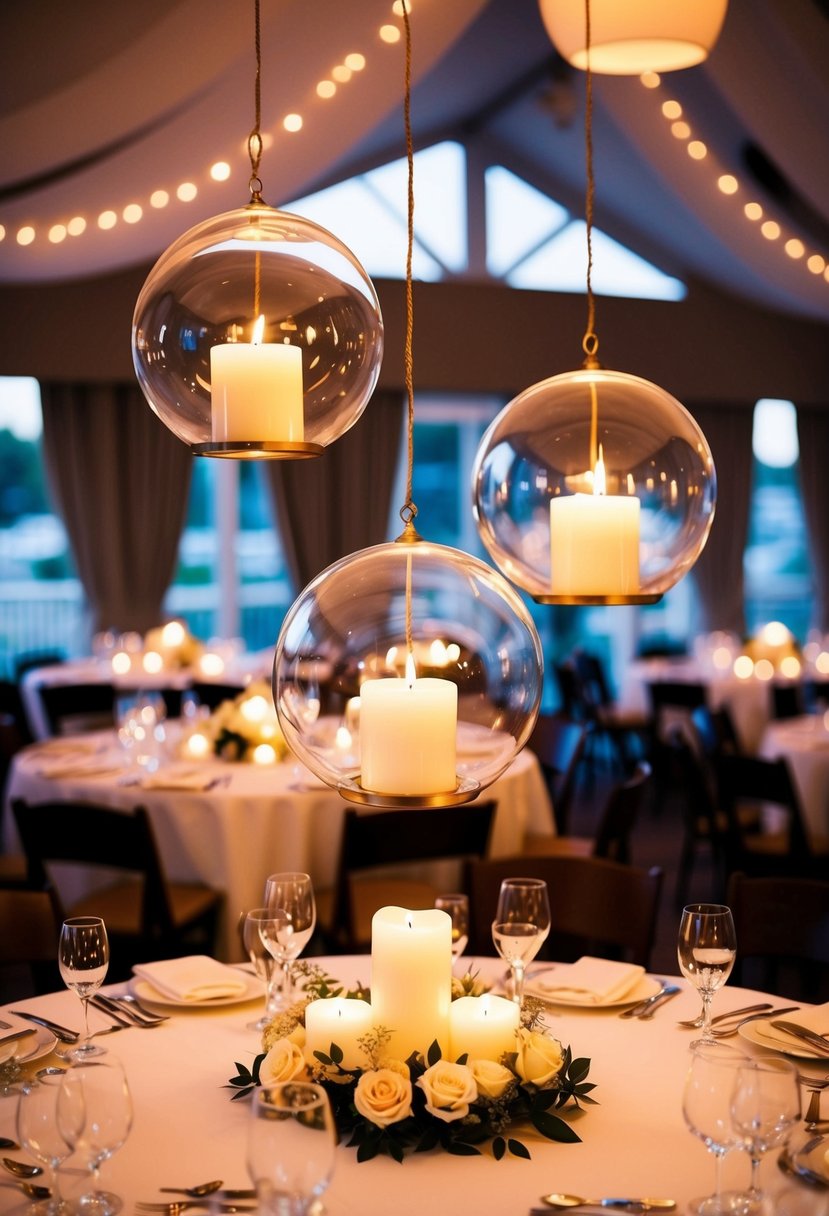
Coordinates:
(12, 1038)
(637, 1010)
(61, 1032)
(815, 1040)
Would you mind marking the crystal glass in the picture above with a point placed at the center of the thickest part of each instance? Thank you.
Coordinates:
(706, 949)
(706, 1107)
(264, 964)
(291, 1143)
(293, 916)
(40, 1136)
(457, 906)
(83, 959)
(521, 925)
(765, 1107)
(94, 1111)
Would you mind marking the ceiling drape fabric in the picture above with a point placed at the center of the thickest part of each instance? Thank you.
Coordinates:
(813, 437)
(718, 574)
(120, 482)
(340, 502)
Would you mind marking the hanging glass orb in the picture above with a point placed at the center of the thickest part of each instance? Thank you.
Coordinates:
(594, 487)
(408, 674)
(257, 335)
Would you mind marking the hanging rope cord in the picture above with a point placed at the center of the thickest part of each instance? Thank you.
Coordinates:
(408, 511)
(590, 341)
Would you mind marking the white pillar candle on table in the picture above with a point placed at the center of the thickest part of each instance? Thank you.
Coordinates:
(339, 1020)
(407, 736)
(482, 1026)
(594, 544)
(256, 392)
(411, 978)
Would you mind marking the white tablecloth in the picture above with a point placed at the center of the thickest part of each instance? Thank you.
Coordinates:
(259, 820)
(634, 1142)
(804, 743)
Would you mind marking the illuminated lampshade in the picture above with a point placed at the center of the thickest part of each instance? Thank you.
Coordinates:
(594, 487)
(257, 335)
(628, 37)
(387, 614)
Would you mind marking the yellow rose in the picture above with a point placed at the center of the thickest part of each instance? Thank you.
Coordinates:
(491, 1079)
(539, 1058)
(284, 1062)
(384, 1096)
(449, 1088)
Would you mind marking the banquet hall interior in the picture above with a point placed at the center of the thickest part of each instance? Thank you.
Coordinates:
(125, 125)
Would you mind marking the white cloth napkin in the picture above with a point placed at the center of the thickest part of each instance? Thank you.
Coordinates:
(59, 769)
(816, 1019)
(593, 981)
(191, 779)
(195, 978)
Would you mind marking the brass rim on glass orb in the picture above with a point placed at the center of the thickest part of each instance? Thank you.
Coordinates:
(466, 791)
(253, 450)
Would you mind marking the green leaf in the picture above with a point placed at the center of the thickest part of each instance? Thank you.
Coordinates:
(367, 1150)
(433, 1054)
(394, 1150)
(578, 1070)
(499, 1147)
(336, 1053)
(554, 1128)
(460, 1149)
(518, 1149)
(322, 1057)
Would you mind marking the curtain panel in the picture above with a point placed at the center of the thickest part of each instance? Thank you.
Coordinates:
(813, 437)
(120, 482)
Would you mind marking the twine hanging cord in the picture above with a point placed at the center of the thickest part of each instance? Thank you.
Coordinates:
(408, 511)
(255, 144)
(590, 341)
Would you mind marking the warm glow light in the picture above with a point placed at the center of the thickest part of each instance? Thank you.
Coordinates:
(186, 192)
(728, 183)
(172, 635)
(651, 80)
(211, 664)
(292, 122)
(397, 7)
(121, 663)
(697, 150)
(25, 235)
(197, 745)
(389, 33)
(341, 73)
(816, 263)
(57, 233)
(326, 89)
(770, 230)
(671, 109)
(159, 199)
(355, 61)
(822, 663)
(76, 225)
(764, 669)
(2, 233)
(220, 171)
(775, 633)
(743, 667)
(795, 248)
(107, 220)
(790, 666)
(680, 130)
(152, 662)
(753, 211)
(254, 709)
(263, 754)
(132, 213)
(721, 658)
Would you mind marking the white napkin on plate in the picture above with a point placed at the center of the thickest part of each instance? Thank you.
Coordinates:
(816, 1019)
(593, 981)
(191, 779)
(61, 769)
(195, 978)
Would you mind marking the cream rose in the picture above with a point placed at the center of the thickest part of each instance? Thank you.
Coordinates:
(384, 1096)
(284, 1062)
(491, 1079)
(449, 1088)
(538, 1058)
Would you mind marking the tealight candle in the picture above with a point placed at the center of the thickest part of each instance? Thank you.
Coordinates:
(256, 391)
(482, 1026)
(411, 978)
(339, 1020)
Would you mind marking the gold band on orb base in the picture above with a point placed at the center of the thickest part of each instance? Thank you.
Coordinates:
(465, 791)
(253, 449)
(597, 600)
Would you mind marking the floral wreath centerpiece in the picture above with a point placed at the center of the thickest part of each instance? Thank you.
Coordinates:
(422, 1060)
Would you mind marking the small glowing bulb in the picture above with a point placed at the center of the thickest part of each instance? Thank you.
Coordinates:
(76, 225)
(341, 73)
(753, 211)
(186, 192)
(389, 34)
(770, 230)
(292, 122)
(697, 150)
(264, 754)
(650, 80)
(671, 109)
(152, 662)
(743, 667)
(816, 264)
(159, 199)
(764, 669)
(172, 635)
(198, 745)
(794, 248)
(326, 89)
(57, 233)
(121, 663)
(132, 213)
(220, 171)
(680, 130)
(728, 183)
(355, 61)
(25, 235)
(107, 220)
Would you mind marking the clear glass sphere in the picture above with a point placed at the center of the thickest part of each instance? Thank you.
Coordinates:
(209, 290)
(594, 486)
(466, 625)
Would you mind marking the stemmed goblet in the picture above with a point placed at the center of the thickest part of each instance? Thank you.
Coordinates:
(706, 1106)
(291, 1143)
(765, 1107)
(457, 907)
(706, 949)
(290, 900)
(94, 1111)
(83, 959)
(39, 1134)
(263, 961)
(521, 924)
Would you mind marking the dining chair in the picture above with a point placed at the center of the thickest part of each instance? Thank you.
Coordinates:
(558, 742)
(76, 708)
(715, 731)
(147, 916)
(692, 782)
(616, 822)
(29, 928)
(597, 907)
(624, 732)
(782, 926)
(375, 864)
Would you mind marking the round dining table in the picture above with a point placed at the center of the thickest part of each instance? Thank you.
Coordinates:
(633, 1142)
(803, 742)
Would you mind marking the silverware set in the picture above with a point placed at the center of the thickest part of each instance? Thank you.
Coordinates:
(647, 1008)
(125, 1011)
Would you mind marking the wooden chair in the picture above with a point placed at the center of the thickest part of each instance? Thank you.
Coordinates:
(626, 731)
(692, 786)
(597, 906)
(715, 731)
(28, 943)
(614, 828)
(147, 916)
(375, 841)
(74, 708)
(782, 926)
(558, 742)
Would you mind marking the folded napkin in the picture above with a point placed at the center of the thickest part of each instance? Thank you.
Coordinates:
(79, 768)
(191, 779)
(816, 1019)
(593, 981)
(195, 978)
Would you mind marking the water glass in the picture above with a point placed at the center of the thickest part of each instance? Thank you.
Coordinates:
(264, 963)
(83, 959)
(706, 949)
(765, 1107)
(706, 1107)
(39, 1134)
(521, 925)
(290, 900)
(291, 1144)
(457, 906)
(94, 1112)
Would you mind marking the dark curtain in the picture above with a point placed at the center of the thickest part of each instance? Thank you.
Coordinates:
(718, 573)
(120, 482)
(339, 502)
(813, 437)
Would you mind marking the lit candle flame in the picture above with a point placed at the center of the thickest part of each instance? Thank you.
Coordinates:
(411, 673)
(599, 475)
(258, 329)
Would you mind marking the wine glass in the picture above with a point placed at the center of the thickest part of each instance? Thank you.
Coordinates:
(522, 922)
(94, 1110)
(290, 901)
(83, 958)
(706, 1106)
(765, 1107)
(291, 1142)
(457, 906)
(706, 949)
(262, 959)
(39, 1134)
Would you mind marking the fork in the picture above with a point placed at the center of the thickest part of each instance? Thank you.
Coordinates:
(696, 1023)
(753, 1017)
(177, 1206)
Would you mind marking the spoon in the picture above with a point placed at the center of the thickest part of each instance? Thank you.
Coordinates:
(633, 1205)
(31, 1190)
(21, 1169)
(195, 1192)
(5, 1143)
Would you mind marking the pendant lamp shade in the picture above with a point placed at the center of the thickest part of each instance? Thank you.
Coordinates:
(408, 673)
(594, 487)
(257, 334)
(629, 37)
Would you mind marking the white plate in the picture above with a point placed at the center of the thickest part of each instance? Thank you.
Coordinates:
(749, 1031)
(647, 986)
(254, 989)
(30, 1048)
